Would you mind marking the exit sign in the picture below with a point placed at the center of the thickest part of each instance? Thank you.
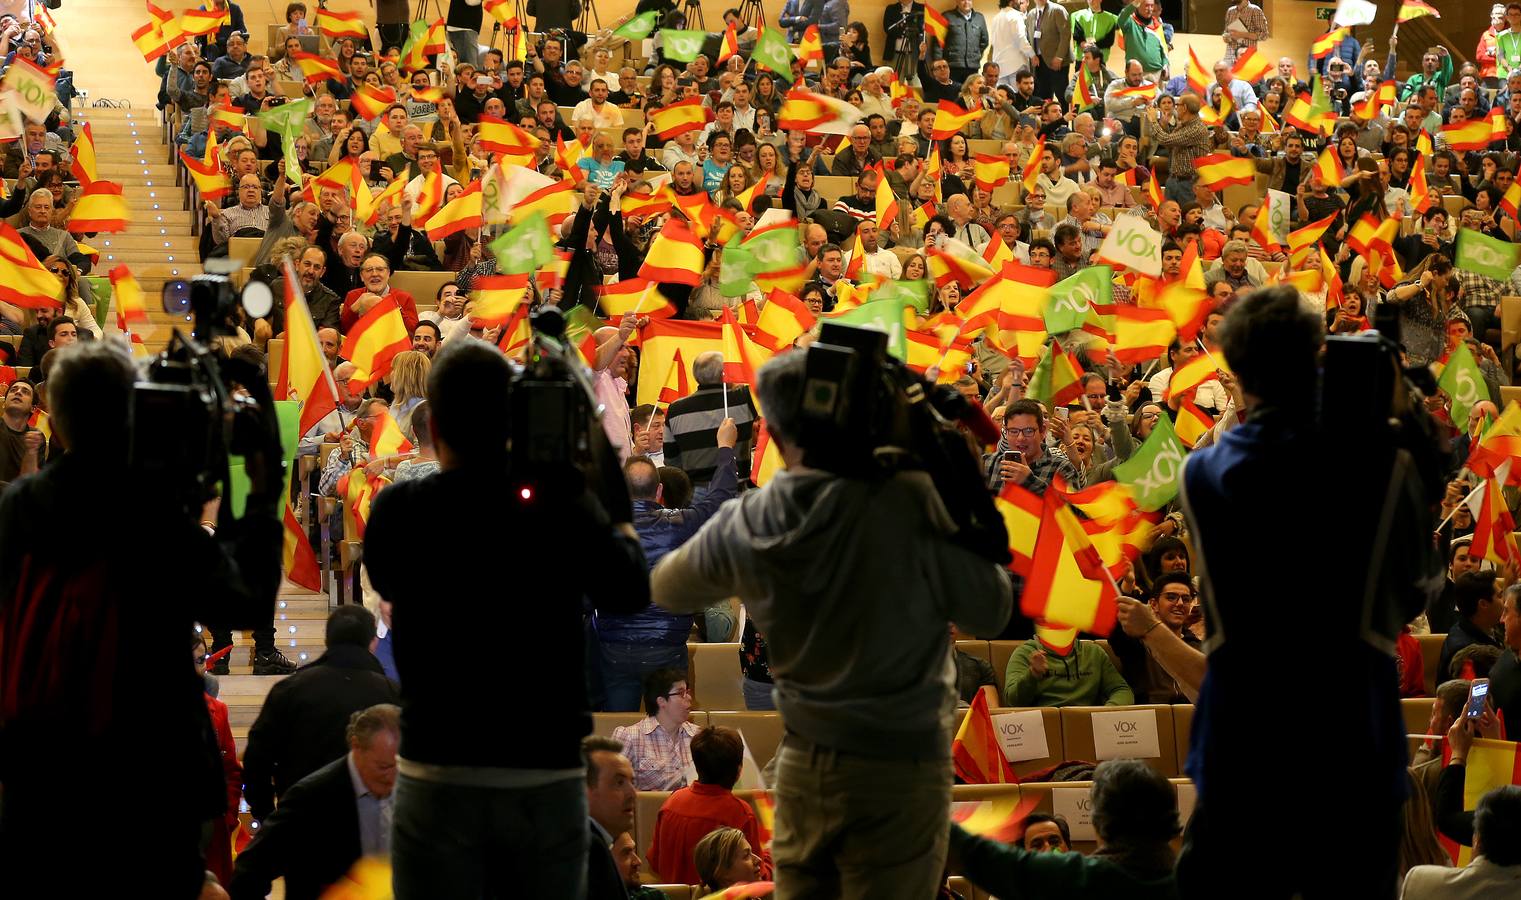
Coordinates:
(1324, 13)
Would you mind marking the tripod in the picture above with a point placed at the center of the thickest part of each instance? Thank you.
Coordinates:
(691, 10)
(422, 10)
(588, 16)
(905, 56)
(750, 13)
(519, 13)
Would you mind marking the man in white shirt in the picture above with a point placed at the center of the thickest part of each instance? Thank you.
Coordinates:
(744, 113)
(1243, 98)
(1211, 395)
(680, 149)
(875, 259)
(596, 107)
(1057, 186)
(427, 161)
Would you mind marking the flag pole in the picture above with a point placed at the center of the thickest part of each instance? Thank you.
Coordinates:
(1461, 503)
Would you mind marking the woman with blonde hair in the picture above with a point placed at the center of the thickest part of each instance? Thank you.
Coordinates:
(409, 386)
(723, 859)
(74, 306)
(736, 181)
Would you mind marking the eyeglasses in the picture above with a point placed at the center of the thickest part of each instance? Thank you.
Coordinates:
(373, 270)
(61, 272)
(1173, 597)
(1151, 415)
(683, 692)
(1021, 432)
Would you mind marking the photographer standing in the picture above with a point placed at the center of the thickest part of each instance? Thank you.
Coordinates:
(852, 581)
(102, 715)
(493, 805)
(1271, 468)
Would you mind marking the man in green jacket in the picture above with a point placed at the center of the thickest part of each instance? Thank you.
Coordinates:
(1135, 813)
(1093, 26)
(1142, 28)
(1436, 70)
(1039, 675)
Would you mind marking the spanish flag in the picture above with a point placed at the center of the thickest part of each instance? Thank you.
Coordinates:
(28, 283)
(358, 491)
(997, 253)
(935, 25)
(1084, 94)
(1251, 66)
(299, 564)
(1302, 240)
(1499, 126)
(554, 202)
(966, 271)
(1001, 818)
(661, 339)
(1057, 379)
(461, 213)
(811, 47)
(83, 152)
(1218, 170)
(150, 42)
(782, 320)
(1198, 76)
(130, 307)
(336, 24)
(1368, 234)
(742, 356)
(675, 256)
(1420, 191)
(1192, 424)
(950, 118)
(226, 117)
(317, 69)
(1511, 202)
(496, 298)
(645, 205)
(386, 438)
(430, 198)
(370, 102)
(1141, 334)
(766, 460)
(1032, 166)
(1021, 511)
(1322, 46)
(804, 111)
(100, 207)
(304, 375)
(1414, 9)
(676, 385)
(637, 296)
(210, 181)
(501, 136)
(978, 755)
(1472, 135)
(680, 117)
(990, 170)
(428, 94)
(1190, 375)
(887, 202)
(516, 335)
(375, 340)
(1067, 584)
(730, 45)
(1262, 228)
(922, 215)
(932, 169)
(199, 22)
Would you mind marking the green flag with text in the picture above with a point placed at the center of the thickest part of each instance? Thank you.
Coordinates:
(1156, 469)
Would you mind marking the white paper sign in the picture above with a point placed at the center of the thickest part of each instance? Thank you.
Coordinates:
(1187, 796)
(1076, 806)
(1126, 734)
(1022, 735)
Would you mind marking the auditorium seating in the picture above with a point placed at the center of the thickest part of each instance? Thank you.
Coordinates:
(1431, 654)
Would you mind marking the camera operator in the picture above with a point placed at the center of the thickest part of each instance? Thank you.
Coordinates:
(495, 799)
(103, 714)
(852, 580)
(1272, 468)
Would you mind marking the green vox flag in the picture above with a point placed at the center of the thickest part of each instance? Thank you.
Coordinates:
(1072, 299)
(737, 267)
(1488, 256)
(744, 258)
(1156, 470)
(525, 247)
(1039, 388)
(771, 51)
(292, 165)
(287, 119)
(681, 45)
(883, 315)
(1464, 384)
(639, 27)
(915, 293)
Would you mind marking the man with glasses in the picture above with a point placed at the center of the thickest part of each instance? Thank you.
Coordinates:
(1173, 601)
(1022, 456)
(375, 273)
(353, 445)
(660, 747)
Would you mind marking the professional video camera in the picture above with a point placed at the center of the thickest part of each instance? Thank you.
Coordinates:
(186, 419)
(558, 447)
(866, 415)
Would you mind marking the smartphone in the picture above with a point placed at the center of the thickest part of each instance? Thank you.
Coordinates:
(1013, 456)
(482, 80)
(970, 367)
(375, 169)
(1478, 692)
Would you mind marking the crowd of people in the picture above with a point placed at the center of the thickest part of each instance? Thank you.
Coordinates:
(1089, 126)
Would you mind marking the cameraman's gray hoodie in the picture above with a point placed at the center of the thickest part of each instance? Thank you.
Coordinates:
(852, 584)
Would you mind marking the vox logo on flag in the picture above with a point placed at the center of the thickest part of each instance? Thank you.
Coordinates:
(1163, 472)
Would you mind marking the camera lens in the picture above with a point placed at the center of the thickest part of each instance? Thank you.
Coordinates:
(176, 297)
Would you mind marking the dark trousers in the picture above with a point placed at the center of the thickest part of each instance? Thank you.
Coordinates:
(1051, 82)
(264, 638)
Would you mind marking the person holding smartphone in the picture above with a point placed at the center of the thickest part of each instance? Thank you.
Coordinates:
(1022, 456)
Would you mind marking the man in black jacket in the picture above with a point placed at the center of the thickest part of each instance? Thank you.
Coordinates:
(480, 800)
(329, 819)
(610, 800)
(301, 726)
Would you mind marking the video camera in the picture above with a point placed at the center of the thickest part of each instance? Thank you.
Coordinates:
(187, 420)
(864, 414)
(558, 447)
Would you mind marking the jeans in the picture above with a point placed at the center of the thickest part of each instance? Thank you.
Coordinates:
(625, 666)
(466, 44)
(1181, 190)
(758, 695)
(852, 826)
(454, 841)
(1483, 319)
(263, 638)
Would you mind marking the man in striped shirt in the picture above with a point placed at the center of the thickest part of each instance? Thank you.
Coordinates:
(691, 424)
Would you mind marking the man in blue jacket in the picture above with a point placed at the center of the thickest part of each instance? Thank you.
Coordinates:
(635, 645)
(966, 36)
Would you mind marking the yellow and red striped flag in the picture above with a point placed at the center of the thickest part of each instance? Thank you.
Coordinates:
(336, 24)
(375, 340)
(370, 102)
(316, 68)
(675, 256)
(1322, 46)
(803, 110)
(950, 118)
(554, 202)
(1414, 9)
(430, 197)
(1420, 190)
(1067, 584)
(430, 94)
(1141, 334)
(680, 117)
(386, 438)
(1198, 75)
(1192, 424)
(645, 205)
(1475, 134)
(1217, 170)
(1084, 94)
(1251, 66)
(226, 117)
(496, 298)
(130, 305)
(1021, 510)
(935, 25)
(28, 283)
(637, 296)
(729, 46)
(299, 564)
(83, 153)
(1193, 373)
(100, 206)
(150, 42)
(976, 751)
(742, 356)
(991, 171)
(1511, 202)
(304, 375)
(199, 22)
(1303, 240)
(501, 136)
(1032, 166)
(922, 215)
(461, 213)
(811, 47)
(358, 491)
(676, 385)
(782, 320)
(1000, 818)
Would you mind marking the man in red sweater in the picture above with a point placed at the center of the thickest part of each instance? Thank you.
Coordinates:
(375, 273)
(692, 812)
